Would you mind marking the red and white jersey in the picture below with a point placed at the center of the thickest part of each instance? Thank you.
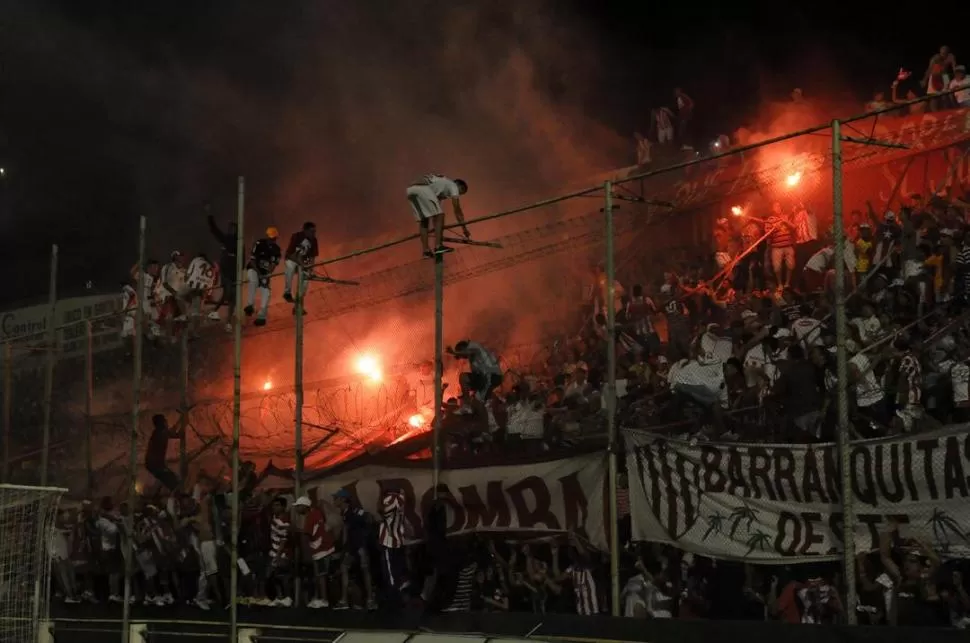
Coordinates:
(584, 588)
(171, 279)
(200, 274)
(279, 536)
(638, 312)
(391, 532)
(129, 299)
(319, 539)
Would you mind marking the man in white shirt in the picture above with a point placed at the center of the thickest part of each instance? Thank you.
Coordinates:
(486, 374)
(425, 196)
(961, 82)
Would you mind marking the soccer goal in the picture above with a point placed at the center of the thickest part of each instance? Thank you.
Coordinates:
(26, 527)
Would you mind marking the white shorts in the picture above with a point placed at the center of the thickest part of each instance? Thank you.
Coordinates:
(665, 134)
(210, 565)
(424, 202)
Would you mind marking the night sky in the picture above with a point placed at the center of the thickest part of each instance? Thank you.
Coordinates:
(115, 109)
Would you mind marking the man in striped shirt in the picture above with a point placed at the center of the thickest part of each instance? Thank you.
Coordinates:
(391, 533)
(781, 242)
(580, 577)
(961, 281)
(278, 575)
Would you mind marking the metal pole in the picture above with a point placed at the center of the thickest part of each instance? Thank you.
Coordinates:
(848, 512)
(7, 407)
(184, 400)
(439, 289)
(298, 409)
(88, 403)
(611, 402)
(236, 407)
(49, 369)
(135, 413)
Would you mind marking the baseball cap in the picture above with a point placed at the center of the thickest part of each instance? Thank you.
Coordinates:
(302, 501)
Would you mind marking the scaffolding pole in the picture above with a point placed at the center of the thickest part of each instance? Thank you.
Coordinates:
(7, 407)
(844, 435)
(439, 349)
(88, 404)
(135, 412)
(298, 408)
(236, 408)
(611, 401)
(184, 399)
(51, 359)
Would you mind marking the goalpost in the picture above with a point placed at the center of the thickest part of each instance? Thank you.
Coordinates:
(26, 527)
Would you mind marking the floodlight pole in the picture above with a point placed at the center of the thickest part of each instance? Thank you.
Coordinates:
(184, 397)
(841, 360)
(611, 402)
(88, 403)
(439, 288)
(7, 407)
(236, 408)
(298, 408)
(51, 358)
(135, 412)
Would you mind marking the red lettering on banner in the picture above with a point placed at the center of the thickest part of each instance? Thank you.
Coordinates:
(494, 512)
(525, 504)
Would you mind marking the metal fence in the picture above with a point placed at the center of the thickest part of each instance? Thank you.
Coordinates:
(527, 285)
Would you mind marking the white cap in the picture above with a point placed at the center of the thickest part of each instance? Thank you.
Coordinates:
(302, 501)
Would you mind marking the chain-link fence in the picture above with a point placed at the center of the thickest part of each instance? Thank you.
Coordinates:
(683, 317)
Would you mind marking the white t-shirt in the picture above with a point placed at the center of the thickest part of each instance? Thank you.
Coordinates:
(634, 595)
(824, 259)
(821, 260)
(441, 185)
(171, 276)
(960, 382)
(962, 96)
(808, 331)
(867, 390)
(200, 274)
(482, 360)
(526, 421)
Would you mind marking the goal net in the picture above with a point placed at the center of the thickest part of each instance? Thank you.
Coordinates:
(26, 526)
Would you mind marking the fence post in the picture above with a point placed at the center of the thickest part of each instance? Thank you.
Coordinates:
(298, 410)
(439, 287)
(7, 407)
(236, 408)
(611, 401)
(844, 435)
(51, 359)
(88, 404)
(135, 412)
(184, 397)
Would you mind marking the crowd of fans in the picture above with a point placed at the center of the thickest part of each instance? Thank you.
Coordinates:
(735, 345)
(352, 558)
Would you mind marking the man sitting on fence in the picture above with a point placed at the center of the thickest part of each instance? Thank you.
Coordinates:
(157, 451)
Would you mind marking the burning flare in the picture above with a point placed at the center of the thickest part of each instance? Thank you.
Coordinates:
(267, 385)
(793, 179)
(369, 367)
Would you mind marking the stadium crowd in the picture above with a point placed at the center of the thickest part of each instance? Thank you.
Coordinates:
(738, 344)
(358, 559)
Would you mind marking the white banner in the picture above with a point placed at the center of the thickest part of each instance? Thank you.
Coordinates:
(31, 323)
(781, 503)
(557, 496)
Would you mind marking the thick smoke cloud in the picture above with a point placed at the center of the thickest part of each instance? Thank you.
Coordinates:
(330, 110)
